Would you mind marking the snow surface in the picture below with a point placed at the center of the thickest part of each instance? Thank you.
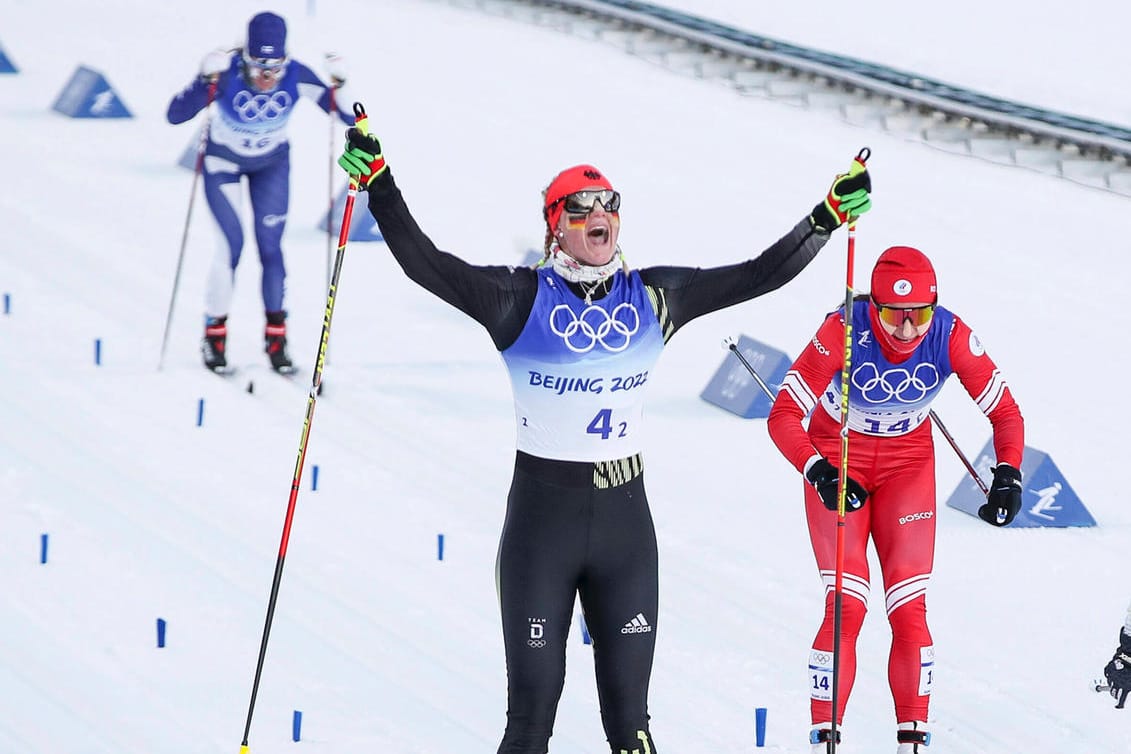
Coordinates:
(382, 646)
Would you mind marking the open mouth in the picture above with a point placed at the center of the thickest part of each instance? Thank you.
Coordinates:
(598, 234)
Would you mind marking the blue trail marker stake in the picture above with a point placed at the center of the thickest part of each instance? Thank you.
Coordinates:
(296, 726)
(160, 632)
(200, 412)
(7, 303)
(98, 351)
(759, 726)
(42, 548)
(439, 547)
(314, 478)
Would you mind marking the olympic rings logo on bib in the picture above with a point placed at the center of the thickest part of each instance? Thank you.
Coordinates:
(258, 107)
(897, 383)
(613, 330)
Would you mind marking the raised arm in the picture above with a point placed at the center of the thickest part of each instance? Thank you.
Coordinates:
(498, 297)
(693, 292)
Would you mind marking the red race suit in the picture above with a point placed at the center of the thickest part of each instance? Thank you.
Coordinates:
(891, 453)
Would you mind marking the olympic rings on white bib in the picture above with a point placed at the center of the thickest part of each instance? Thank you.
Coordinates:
(896, 383)
(612, 330)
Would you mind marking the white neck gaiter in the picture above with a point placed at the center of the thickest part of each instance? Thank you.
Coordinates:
(576, 272)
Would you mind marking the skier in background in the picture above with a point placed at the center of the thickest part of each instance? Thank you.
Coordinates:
(255, 89)
(579, 334)
(1118, 671)
(904, 348)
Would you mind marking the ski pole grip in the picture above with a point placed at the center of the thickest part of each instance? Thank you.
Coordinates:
(858, 161)
(361, 120)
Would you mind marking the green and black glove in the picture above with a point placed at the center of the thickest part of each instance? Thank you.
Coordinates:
(848, 198)
(362, 157)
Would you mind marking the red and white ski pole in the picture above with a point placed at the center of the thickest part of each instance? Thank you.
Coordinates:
(362, 124)
(842, 482)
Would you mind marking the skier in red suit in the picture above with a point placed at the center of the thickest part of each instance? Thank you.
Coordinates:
(904, 348)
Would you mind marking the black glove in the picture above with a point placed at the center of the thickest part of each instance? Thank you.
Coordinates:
(825, 479)
(1118, 671)
(1004, 499)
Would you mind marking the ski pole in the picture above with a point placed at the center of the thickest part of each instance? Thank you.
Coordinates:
(330, 195)
(316, 382)
(197, 168)
(733, 346)
(842, 486)
(330, 191)
(962, 456)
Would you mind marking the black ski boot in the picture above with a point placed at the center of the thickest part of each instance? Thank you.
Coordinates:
(275, 339)
(912, 738)
(821, 738)
(214, 345)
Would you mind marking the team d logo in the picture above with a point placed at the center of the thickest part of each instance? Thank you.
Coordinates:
(537, 633)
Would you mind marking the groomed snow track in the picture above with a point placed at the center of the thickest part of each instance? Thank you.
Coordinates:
(950, 118)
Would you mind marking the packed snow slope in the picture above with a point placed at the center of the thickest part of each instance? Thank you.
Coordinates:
(385, 647)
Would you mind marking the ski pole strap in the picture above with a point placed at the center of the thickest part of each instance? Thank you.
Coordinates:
(361, 119)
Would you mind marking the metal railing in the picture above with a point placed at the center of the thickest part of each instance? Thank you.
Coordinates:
(942, 115)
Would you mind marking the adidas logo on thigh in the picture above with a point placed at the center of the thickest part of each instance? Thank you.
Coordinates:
(638, 625)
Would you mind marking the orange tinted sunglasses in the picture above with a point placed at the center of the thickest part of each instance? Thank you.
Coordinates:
(896, 315)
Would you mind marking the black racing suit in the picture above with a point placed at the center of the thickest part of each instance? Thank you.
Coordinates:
(578, 527)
